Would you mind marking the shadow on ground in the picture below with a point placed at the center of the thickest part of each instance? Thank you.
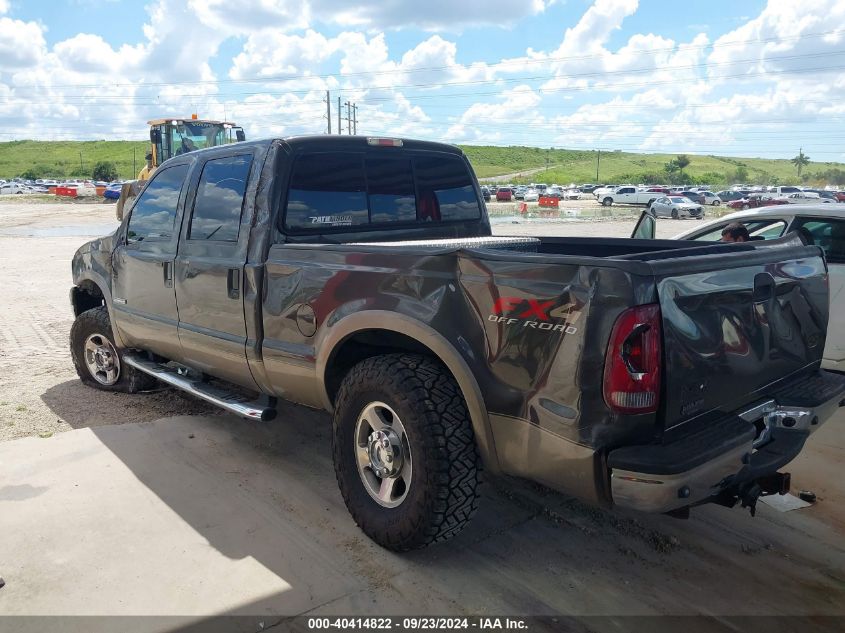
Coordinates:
(268, 491)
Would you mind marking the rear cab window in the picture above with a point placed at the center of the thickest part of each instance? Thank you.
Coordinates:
(347, 191)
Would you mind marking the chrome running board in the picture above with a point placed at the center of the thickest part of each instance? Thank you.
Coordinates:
(230, 401)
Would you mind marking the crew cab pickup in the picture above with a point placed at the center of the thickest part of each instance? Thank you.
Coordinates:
(359, 275)
(629, 195)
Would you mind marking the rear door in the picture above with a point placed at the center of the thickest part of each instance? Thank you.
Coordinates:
(733, 323)
(144, 299)
(209, 271)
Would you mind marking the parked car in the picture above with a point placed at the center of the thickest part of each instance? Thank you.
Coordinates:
(14, 188)
(840, 196)
(629, 195)
(485, 193)
(731, 195)
(519, 193)
(805, 197)
(504, 194)
(825, 227)
(695, 196)
(710, 198)
(531, 195)
(755, 201)
(676, 207)
(589, 364)
(112, 191)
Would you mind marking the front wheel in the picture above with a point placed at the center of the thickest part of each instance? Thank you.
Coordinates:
(675, 215)
(97, 360)
(607, 202)
(716, 203)
(404, 451)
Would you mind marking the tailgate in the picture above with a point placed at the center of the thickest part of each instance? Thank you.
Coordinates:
(734, 324)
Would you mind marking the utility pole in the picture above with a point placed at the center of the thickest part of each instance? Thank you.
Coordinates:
(339, 128)
(354, 119)
(81, 166)
(348, 118)
(134, 168)
(329, 111)
(598, 160)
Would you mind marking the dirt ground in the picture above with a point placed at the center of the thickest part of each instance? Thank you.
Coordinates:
(530, 550)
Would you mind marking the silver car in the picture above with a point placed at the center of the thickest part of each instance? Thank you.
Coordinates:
(676, 207)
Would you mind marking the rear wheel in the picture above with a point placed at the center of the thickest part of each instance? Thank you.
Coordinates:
(716, 203)
(97, 360)
(404, 451)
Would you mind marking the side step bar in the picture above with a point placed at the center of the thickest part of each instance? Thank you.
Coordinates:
(232, 402)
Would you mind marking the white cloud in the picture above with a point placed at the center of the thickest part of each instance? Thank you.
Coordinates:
(22, 44)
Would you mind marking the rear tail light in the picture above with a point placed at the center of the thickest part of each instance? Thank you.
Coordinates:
(633, 362)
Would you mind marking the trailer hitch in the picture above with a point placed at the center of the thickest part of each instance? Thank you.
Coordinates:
(748, 493)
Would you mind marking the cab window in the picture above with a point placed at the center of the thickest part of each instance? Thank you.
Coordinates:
(154, 214)
(768, 229)
(827, 233)
(220, 197)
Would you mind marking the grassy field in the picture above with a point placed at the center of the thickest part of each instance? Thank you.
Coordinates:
(77, 159)
(70, 159)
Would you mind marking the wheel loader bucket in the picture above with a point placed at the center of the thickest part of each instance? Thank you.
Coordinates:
(128, 192)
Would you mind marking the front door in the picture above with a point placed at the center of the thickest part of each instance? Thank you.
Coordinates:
(829, 234)
(209, 272)
(144, 299)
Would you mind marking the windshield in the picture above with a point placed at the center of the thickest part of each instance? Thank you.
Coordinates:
(188, 136)
(679, 200)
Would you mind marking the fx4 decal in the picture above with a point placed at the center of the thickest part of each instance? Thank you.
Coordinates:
(536, 314)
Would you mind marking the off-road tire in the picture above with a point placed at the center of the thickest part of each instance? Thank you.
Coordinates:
(96, 321)
(444, 489)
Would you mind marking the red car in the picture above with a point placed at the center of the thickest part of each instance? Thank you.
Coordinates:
(755, 202)
(840, 196)
(504, 194)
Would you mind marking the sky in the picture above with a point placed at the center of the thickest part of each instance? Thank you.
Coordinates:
(750, 78)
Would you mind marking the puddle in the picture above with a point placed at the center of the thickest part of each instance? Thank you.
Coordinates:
(80, 230)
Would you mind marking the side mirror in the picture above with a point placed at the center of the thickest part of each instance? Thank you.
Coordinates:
(239, 134)
(646, 227)
(155, 136)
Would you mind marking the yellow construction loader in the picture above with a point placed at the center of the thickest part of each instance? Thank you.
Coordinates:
(172, 137)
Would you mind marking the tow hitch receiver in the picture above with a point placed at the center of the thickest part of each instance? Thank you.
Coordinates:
(776, 484)
(748, 494)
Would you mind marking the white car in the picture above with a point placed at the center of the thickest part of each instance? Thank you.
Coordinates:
(805, 197)
(676, 207)
(819, 223)
(531, 195)
(13, 187)
(710, 198)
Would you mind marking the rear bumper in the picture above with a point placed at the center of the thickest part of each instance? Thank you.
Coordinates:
(725, 453)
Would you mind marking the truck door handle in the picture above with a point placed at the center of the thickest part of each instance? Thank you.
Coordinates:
(167, 267)
(233, 283)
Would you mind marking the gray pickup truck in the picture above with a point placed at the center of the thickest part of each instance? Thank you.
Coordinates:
(359, 275)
